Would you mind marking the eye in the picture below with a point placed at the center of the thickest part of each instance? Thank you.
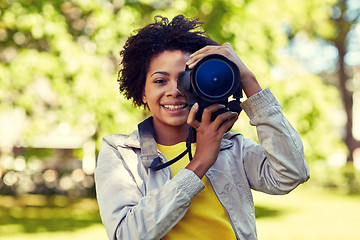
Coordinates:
(160, 81)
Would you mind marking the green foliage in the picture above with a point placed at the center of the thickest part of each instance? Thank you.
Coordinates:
(59, 61)
(36, 214)
(344, 180)
(58, 64)
(312, 108)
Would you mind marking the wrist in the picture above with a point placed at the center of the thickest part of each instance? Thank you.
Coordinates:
(250, 84)
(198, 167)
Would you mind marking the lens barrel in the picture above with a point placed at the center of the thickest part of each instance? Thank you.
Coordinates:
(214, 79)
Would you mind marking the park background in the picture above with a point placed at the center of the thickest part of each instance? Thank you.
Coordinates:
(59, 96)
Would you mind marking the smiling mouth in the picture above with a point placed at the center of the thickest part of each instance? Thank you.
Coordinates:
(175, 107)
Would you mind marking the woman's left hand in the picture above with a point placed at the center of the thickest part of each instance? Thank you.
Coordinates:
(249, 83)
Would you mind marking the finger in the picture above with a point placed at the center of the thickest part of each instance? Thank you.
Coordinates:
(225, 50)
(191, 64)
(198, 55)
(191, 118)
(202, 50)
(226, 116)
(232, 118)
(206, 116)
(196, 58)
(221, 49)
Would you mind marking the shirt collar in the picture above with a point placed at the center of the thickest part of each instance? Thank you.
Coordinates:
(145, 140)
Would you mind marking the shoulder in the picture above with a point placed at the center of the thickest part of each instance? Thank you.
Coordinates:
(122, 140)
(237, 140)
(230, 139)
(112, 149)
(231, 135)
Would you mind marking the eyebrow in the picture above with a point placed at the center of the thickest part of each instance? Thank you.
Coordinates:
(164, 73)
(160, 72)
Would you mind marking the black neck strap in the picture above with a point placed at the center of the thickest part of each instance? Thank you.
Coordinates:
(154, 165)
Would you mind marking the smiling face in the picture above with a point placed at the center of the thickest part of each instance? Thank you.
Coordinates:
(167, 104)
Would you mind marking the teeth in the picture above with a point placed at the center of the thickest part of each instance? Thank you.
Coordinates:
(174, 107)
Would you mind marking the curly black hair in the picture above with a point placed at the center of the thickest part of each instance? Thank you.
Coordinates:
(179, 34)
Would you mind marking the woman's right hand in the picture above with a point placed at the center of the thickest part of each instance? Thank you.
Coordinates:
(209, 136)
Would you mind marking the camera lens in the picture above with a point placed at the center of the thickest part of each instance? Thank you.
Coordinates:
(214, 79)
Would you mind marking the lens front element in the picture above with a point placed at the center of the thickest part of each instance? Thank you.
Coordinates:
(214, 80)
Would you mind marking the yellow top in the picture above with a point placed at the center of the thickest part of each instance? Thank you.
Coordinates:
(206, 218)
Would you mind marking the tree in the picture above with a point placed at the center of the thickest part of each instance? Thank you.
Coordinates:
(337, 31)
(59, 60)
(58, 67)
(345, 19)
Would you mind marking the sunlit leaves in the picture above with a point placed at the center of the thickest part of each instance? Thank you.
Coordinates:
(59, 59)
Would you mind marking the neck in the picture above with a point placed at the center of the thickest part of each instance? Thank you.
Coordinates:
(169, 135)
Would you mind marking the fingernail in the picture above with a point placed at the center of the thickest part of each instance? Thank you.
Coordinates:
(196, 105)
(191, 65)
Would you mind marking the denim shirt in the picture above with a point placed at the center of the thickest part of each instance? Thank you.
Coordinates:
(136, 202)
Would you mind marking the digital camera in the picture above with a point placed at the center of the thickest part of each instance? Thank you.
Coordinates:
(212, 80)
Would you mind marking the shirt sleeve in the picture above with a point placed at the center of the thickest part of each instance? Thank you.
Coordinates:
(128, 213)
(277, 165)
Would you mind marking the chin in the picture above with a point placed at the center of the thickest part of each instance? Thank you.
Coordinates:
(177, 122)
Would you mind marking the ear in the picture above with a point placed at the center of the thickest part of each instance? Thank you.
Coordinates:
(143, 96)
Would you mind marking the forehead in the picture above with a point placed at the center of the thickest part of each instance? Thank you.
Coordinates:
(169, 59)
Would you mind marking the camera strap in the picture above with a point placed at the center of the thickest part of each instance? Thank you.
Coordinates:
(154, 165)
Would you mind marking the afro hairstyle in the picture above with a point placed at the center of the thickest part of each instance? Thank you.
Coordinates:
(148, 42)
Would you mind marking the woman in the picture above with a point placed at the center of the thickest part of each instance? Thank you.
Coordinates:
(208, 197)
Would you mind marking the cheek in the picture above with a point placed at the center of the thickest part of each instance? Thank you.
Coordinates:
(149, 96)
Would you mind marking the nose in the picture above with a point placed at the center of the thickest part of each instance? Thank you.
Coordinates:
(173, 89)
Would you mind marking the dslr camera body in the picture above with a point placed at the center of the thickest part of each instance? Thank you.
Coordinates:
(212, 80)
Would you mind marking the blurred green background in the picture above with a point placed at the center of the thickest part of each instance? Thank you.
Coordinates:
(59, 96)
